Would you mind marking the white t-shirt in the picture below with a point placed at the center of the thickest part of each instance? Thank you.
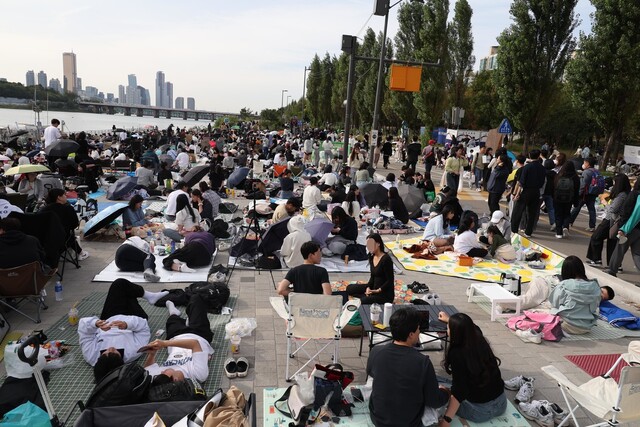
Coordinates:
(192, 365)
(183, 160)
(329, 179)
(51, 135)
(171, 201)
(311, 197)
(184, 218)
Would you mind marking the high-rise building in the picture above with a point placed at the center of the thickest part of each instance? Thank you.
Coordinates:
(191, 103)
(91, 92)
(110, 97)
(55, 85)
(144, 96)
(42, 79)
(69, 71)
(169, 95)
(160, 89)
(31, 78)
(133, 96)
(78, 84)
(179, 103)
(122, 98)
(147, 96)
(490, 62)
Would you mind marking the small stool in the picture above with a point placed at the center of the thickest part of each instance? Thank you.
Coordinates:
(496, 294)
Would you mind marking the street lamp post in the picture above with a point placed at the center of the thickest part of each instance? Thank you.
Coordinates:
(288, 97)
(304, 91)
(282, 98)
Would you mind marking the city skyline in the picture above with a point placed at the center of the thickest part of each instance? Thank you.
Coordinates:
(231, 54)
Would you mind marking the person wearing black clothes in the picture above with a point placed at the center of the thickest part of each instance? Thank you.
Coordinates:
(549, 188)
(345, 232)
(18, 248)
(216, 176)
(286, 185)
(404, 381)
(413, 152)
(380, 287)
(202, 205)
(308, 278)
(164, 173)
(477, 389)
(562, 203)
(387, 151)
(338, 194)
(397, 206)
(527, 196)
(57, 203)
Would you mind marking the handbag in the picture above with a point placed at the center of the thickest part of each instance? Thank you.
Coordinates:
(329, 381)
(548, 325)
(197, 417)
(291, 405)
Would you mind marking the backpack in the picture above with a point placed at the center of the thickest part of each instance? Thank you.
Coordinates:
(355, 252)
(125, 385)
(177, 391)
(564, 190)
(216, 294)
(597, 184)
(268, 262)
(548, 325)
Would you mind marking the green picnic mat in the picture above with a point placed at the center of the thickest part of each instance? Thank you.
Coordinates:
(75, 382)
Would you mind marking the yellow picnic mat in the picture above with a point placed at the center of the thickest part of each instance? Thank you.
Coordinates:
(488, 270)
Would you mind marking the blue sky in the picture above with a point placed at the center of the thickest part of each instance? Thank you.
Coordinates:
(226, 54)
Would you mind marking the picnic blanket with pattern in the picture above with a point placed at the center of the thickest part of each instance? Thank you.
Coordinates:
(403, 294)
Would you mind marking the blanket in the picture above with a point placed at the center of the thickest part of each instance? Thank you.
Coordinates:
(403, 295)
(618, 317)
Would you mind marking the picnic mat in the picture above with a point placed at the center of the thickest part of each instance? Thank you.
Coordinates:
(488, 270)
(11, 336)
(403, 294)
(331, 264)
(360, 413)
(111, 273)
(601, 331)
(598, 364)
(75, 382)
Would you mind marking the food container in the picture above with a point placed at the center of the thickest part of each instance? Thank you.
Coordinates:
(465, 261)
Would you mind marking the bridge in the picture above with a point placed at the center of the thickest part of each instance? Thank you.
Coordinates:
(149, 110)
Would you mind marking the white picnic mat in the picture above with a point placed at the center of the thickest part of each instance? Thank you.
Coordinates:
(331, 264)
(111, 273)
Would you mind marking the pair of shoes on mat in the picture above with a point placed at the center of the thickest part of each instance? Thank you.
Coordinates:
(524, 385)
(543, 412)
(236, 367)
(418, 288)
(432, 299)
(529, 335)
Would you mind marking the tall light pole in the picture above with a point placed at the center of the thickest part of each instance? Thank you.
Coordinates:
(282, 98)
(288, 97)
(304, 91)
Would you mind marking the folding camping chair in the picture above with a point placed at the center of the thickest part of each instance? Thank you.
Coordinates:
(69, 255)
(312, 317)
(612, 403)
(278, 169)
(24, 283)
(258, 171)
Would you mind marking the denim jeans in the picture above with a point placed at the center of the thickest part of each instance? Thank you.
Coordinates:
(481, 412)
(478, 177)
(548, 201)
(590, 201)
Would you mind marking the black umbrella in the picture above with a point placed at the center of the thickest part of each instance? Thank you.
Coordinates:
(104, 218)
(32, 153)
(121, 187)
(62, 148)
(195, 175)
(237, 176)
(413, 198)
(120, 130)
(274, 236)
(165, 158)
(375, 194)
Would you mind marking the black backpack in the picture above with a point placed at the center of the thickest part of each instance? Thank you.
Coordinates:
(125, 385)
(564, 190)
(216, 294)
(177, 391)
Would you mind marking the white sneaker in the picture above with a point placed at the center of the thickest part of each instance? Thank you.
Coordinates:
(529, 335)
(436, 299)
(326, 252)
(553, 228)
(525, 393)
(516, 382)
(589, 229)
(558, 413)
(83, 255)
(565, 232)
(559, 236)
(535, 411)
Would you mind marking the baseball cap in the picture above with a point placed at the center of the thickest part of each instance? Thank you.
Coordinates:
(497, 216)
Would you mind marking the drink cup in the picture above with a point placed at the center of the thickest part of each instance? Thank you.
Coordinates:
(235, 344)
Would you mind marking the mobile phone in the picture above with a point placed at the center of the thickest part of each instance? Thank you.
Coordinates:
(357, 394)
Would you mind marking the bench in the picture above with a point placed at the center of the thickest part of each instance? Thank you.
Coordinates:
(496, 294)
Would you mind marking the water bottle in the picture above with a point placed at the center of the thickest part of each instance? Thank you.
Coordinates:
(173, 246)
(58, 290)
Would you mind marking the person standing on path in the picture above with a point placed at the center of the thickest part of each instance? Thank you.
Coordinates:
(452, 169)
(527, 197)
(586, 198)
(565, 194)
(413, 152)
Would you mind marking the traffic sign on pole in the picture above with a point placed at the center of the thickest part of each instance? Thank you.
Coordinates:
(505, 127)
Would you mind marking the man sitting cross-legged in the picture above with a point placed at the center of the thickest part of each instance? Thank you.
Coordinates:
(115, 337)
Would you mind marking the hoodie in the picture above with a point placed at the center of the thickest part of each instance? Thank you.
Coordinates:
(17, 248)
(293, 242)
(576, 301)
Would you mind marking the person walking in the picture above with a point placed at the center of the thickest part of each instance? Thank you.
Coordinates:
(547, 196)
(497, 183)
(527, 197)
(477, 167)
(413, 152)
(586, 198)
(429, 156)
(387, 150)
(565, 194)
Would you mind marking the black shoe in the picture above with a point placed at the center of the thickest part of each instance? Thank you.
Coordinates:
(597, 262)
(218, 269)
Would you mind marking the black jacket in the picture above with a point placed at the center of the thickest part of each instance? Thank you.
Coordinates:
(17, 248)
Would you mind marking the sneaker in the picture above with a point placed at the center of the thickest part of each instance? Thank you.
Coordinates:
(559, 236)
(217, 277)
(436, 299)
(529, 335)
(525, 393)
(150, 276)
(83, 255)
(516, 382)
(590, 229)
(326, 252)
(598, 262)
(558, 413)
(231, 368)
(565, 232)
(538, 412)
(478, 189)
(553, 227)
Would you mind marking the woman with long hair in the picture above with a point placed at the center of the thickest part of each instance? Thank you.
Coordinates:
(566, 187)
(351, 205)
(187, 219)
(466, 242)
(608, 228)
(362, 175)
(397, 206)
(477, 389)
(380, 287)
(437, 230)
(345, 232)
(355, 158)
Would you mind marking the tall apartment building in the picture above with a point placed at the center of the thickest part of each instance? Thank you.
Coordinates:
(69, 72)
(55, 85)
(179, 103)
(42, 79)
(490, 62)
(160, 89)
(191, 103)
(31, 78)
(169, 95)
(122, 97)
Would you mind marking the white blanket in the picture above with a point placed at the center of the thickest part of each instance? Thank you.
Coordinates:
(331, 264)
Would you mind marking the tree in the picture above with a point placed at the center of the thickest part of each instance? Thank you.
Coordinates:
(532, 57)
(460, 52)
(339, 89)
(605, 75)
(482, 102)
(246, 113)
(364, 94)
(327, 70)
(271, 118)
(314, 81)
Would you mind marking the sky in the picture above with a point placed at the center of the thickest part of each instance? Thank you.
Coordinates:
(227, 54)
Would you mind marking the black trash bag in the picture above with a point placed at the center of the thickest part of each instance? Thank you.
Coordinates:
(216, 294)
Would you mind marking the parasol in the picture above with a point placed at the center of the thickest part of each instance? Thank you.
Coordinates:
(104, 218)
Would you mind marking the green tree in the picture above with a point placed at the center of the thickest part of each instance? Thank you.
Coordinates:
(605, 75)
(533, 54)
(365, 86)
(327, 71)
(271, 118)
(460, 52)
(482, 102)
(246, 113)
(339, 89)
(314, 82)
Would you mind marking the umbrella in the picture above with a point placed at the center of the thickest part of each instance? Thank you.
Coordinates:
(32, 153)
(195, 175)
(104, 218)
(165, 158)
(319, 229)
(164, 147)
(375, 194)
(121, 187)
(237, 176)
(26, 169)
(4, 158)
(413, 197)
(236, 127)
(62, 148)
(273, 237)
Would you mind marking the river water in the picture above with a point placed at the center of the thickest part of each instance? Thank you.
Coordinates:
(76, 122)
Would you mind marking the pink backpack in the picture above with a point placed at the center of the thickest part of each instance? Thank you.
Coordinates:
(548, 325)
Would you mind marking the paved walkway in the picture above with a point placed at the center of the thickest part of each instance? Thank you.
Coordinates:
(266, 349)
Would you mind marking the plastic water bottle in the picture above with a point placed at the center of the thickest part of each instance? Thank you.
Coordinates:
(58, 291)
(173, 246)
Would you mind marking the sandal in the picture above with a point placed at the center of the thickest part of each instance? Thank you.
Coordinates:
(231, 368)
(420, 288)
(242, 365)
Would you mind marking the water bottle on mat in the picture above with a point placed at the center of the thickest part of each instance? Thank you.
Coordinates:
(58, 290)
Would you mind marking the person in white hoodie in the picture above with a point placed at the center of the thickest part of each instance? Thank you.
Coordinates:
(292, 243)
(114, 338)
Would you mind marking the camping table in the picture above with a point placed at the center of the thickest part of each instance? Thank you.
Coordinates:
(435, 325)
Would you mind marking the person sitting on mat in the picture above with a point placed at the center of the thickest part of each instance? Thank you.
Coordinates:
(135, 255)
(345, 232)
(437, 229)
(187, 219)
(188, 345)
(309, 277)
(134, 219)
(380, 287)
(466, 242)
(114, 338)
(197, 251)
(293, 242)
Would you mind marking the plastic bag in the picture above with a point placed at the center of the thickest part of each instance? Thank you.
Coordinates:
(59, 362)
(306, 387)
(26, 415)
(241, 327)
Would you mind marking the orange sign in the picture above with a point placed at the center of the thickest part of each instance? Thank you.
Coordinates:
(405, 78)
